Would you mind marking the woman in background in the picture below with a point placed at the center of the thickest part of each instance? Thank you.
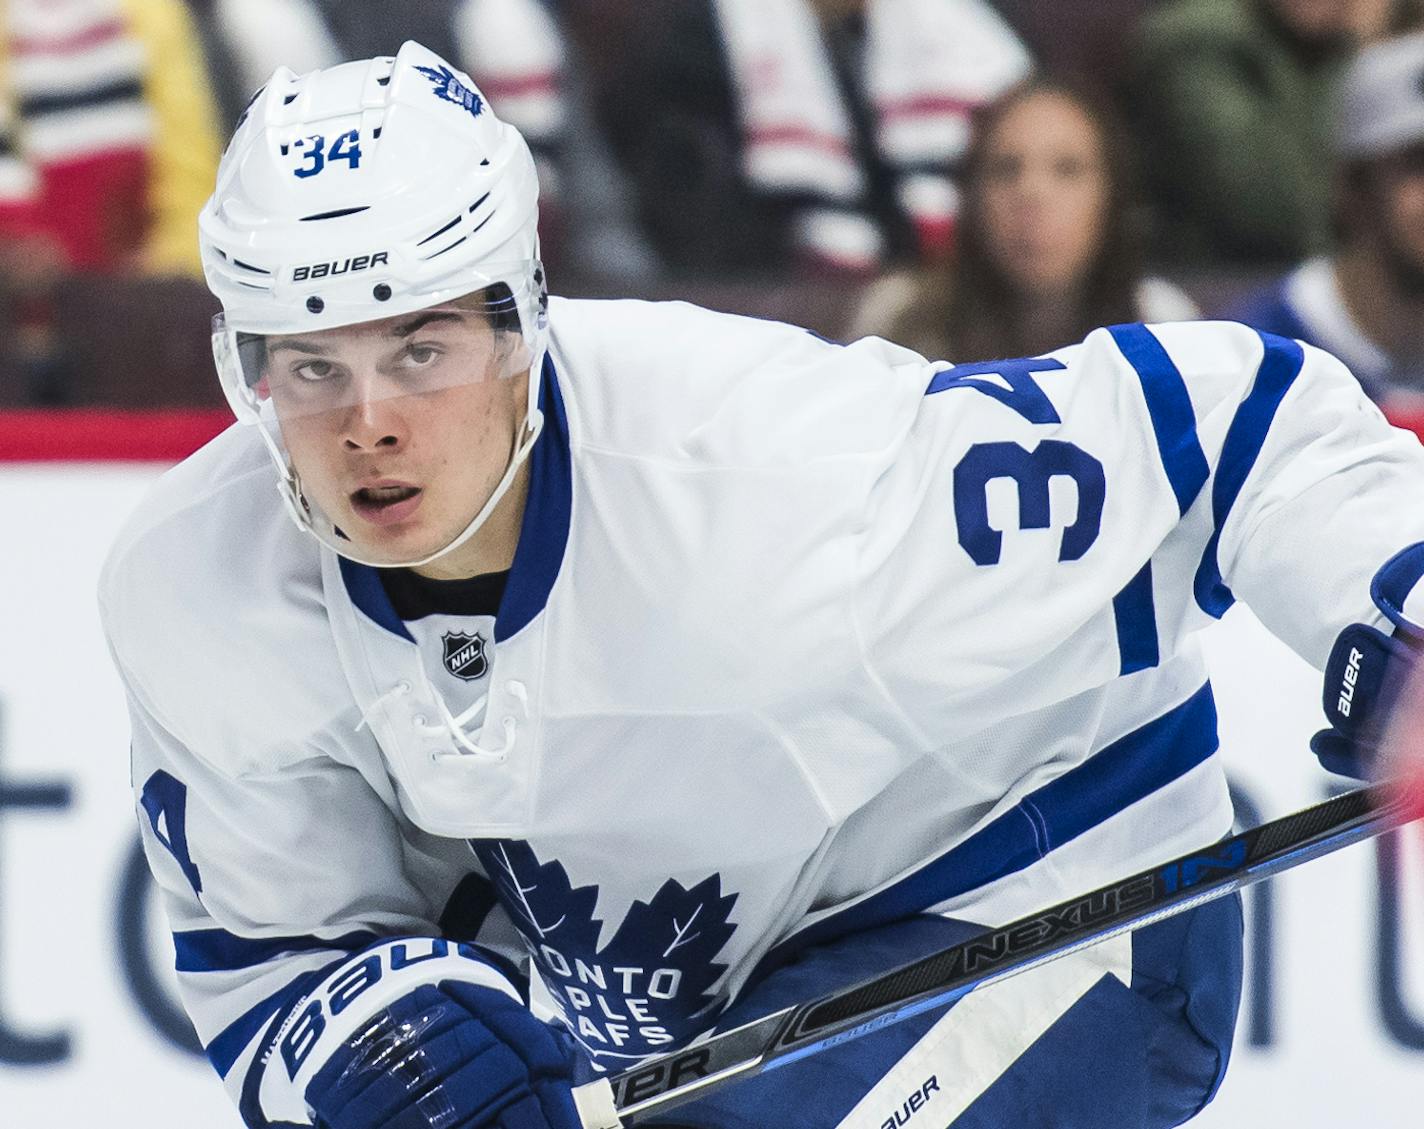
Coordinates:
(1047, 246)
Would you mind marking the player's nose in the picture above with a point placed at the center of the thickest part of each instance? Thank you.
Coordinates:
(374, 419)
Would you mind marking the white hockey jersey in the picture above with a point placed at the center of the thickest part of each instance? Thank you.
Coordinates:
(799, 638)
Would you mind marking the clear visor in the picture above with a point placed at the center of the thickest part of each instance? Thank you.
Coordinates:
(278, 377)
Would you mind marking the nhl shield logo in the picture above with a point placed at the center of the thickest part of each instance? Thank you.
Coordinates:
(465, 655)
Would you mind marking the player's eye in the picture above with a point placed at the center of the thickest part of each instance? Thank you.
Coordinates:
(314, 371)
(420, 354)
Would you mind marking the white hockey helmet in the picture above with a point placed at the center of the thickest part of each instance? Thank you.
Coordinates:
(362, 192)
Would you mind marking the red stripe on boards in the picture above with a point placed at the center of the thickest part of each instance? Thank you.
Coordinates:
(106, 435)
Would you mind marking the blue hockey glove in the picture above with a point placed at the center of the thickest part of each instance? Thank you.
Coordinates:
(1364, 677)
(449, 1055)
(416, 1033)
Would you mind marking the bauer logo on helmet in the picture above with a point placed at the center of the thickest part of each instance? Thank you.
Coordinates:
(346, 266)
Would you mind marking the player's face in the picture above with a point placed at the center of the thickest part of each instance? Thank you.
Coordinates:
(399, 429)
(1044, 193)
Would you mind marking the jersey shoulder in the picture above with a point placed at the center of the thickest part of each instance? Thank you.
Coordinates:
(219, 469)
(211, 600)
(1216, 363)
(676, 382)
(1220, 362)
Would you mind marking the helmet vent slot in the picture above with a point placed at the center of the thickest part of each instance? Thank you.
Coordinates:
(336, 215)
(249, 266)
(444, 249)
(437, 234)
(289, 99)
(478, 202)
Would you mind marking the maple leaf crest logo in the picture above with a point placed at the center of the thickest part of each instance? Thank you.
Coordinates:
(649, 988)
(449, 87)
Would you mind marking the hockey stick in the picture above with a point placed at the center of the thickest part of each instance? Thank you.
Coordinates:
(669, 1080)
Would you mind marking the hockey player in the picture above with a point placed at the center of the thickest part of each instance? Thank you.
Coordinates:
(628, 669)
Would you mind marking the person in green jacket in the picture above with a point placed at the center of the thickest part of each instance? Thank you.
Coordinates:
(1233, 103)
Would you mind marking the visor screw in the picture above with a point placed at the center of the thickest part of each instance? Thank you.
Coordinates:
(315, 304)
(382, 292)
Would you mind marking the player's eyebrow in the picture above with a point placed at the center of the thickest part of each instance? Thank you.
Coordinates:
(298, 345)
(402, 329)
(405, 329)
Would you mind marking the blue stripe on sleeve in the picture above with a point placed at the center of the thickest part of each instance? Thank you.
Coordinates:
(216, 950)
(1118, 775)
(1170, 408)
(1279, 368)
(227, 1047)
(1136, 616)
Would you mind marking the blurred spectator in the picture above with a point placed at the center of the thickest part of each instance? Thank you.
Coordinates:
(512, 48)
(1233, 101)
(1365, 303)
(761, 133)
(1047, 246)
(108, 147)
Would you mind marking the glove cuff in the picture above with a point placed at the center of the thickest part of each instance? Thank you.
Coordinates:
(1357, 690)
(329, 1015)
(1398, 590)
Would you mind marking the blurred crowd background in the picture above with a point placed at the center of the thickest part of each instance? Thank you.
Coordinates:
(974, 178)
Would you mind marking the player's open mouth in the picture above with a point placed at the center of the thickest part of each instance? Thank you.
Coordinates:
(386, 504)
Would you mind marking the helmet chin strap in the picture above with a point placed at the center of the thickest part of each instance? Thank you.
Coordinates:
(321, 527)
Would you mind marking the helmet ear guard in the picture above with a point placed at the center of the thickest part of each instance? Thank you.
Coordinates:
(360, 193)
